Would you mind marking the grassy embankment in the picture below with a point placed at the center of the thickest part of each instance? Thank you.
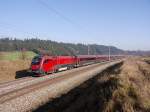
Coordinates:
(133, 90)
(14, 64)
(147, 59)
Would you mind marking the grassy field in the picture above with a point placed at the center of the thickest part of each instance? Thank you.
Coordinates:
(13, 63)
(16, 55)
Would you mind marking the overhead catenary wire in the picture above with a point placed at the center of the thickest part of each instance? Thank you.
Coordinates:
(54, 10)
(64, 17)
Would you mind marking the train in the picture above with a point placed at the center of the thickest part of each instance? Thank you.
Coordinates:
(45, 64)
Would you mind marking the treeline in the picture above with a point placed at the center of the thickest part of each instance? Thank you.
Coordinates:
(55, 48)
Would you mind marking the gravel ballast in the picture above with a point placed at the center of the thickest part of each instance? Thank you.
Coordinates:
(59, 86)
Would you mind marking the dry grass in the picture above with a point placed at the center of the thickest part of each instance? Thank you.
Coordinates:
(133, 92)
(8, 69)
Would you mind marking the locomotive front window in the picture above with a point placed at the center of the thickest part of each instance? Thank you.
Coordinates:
(48, 60)
(36, 60)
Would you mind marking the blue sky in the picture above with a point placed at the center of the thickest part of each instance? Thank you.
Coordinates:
(121, 23)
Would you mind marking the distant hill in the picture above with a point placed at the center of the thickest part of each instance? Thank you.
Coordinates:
(58, 48)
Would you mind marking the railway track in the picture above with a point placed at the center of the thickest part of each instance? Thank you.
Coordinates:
(31, 82)
(35, 86)
(4, 84)
(11, 86)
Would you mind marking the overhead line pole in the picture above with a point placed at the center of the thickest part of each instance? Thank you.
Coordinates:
(109, 52)
(88, 49)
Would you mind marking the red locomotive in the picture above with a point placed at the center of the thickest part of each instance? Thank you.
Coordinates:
(44, 64)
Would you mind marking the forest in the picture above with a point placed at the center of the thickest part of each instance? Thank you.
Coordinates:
(56, 48)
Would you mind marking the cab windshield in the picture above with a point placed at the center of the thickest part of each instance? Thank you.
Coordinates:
(36, 60)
